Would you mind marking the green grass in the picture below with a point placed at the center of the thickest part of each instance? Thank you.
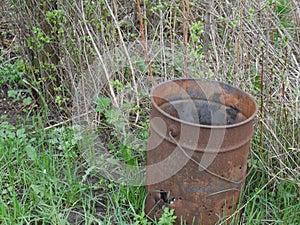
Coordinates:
(269, 201)
(45, 180)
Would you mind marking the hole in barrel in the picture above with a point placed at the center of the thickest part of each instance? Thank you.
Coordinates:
(222, 207)
(164, 195)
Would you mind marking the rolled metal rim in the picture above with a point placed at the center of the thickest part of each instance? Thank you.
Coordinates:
(202, 125)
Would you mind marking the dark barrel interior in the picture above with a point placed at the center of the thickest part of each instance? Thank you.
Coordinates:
(205, 103)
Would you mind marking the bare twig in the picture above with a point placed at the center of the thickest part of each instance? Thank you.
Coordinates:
(261, 98)
(114, 99)
(185, 16)
(144, 42)
(162, 43)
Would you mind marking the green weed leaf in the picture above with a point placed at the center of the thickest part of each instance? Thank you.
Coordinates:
(27, 101)
(167, 217)
(21, 133)
(102, 103)
(12, 94)
(31, 152)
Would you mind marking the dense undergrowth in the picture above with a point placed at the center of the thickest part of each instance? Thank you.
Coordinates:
(79, 75)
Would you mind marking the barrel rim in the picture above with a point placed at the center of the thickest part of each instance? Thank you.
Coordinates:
(251, 118)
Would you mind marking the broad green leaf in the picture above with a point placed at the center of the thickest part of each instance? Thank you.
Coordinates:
(31, 152)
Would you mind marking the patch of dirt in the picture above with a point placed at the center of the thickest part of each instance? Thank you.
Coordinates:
(13, 110)
(9, 42)
(9, 45)
(98, 207)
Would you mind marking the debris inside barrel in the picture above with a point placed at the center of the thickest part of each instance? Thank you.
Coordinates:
(204, 112)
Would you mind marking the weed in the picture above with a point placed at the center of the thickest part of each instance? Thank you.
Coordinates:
(167, 217)
(11, 74)
(19, 95)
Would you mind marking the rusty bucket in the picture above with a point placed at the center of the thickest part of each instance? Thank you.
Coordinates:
(197, 151)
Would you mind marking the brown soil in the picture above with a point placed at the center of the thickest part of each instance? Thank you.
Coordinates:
(12, 110)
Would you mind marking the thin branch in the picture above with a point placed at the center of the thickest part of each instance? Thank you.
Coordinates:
(144, 42)
(261, 98)
(115, 103)
(185, 15)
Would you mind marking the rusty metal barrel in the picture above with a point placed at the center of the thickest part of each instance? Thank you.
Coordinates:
(200, 133)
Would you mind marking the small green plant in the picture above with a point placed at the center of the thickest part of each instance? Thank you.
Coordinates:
(125, 143)
(11, 74)
(141, 219)
(19, 96)
(167, 217)
(196, 31)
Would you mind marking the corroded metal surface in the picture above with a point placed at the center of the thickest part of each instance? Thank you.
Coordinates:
(197, 150)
